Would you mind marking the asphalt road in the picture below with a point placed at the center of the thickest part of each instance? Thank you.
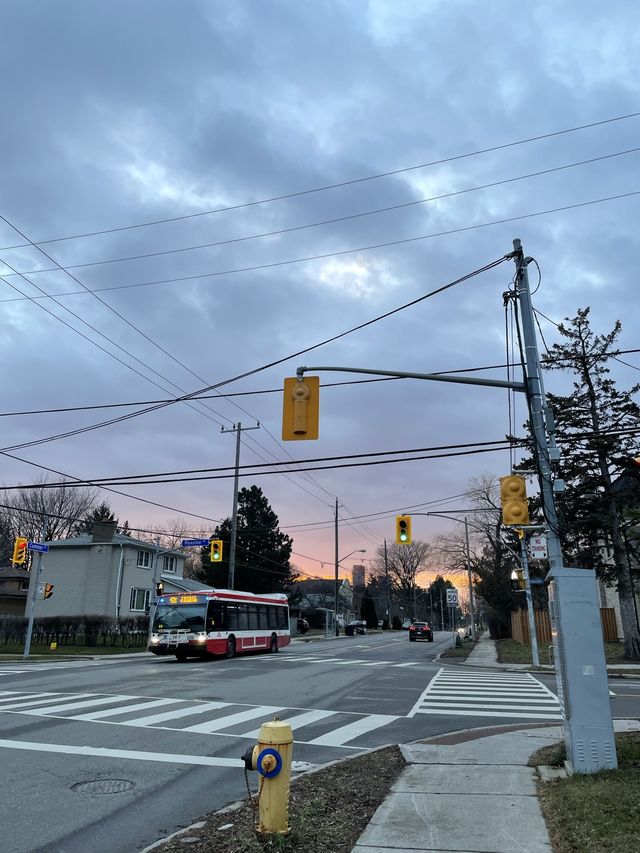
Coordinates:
(112, 754)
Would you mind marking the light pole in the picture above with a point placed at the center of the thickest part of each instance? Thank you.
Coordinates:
(338, 561)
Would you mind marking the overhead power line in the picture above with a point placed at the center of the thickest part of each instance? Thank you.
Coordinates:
(341, 253)
(331, 221)
(245, 374)
(337, 185)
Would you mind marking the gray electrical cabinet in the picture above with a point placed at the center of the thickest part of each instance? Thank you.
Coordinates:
(581, 671)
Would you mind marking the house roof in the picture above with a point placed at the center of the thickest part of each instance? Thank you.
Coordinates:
(7, 572)
(185, 583)
(85, 540)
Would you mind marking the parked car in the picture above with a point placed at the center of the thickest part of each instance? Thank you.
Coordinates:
(302, 626)
(357, 626)
(420, 631)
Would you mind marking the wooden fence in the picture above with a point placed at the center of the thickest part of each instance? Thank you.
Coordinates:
(520, 626)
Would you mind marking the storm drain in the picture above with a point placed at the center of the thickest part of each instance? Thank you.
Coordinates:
(103, 786)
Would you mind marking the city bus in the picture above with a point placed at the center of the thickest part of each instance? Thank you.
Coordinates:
(219, 622)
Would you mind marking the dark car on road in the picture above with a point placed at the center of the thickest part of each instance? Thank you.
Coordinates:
(420, 631)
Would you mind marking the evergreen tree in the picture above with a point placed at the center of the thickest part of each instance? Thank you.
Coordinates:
(263, 552)
(101, 513)
(594, 427)
(368, 610)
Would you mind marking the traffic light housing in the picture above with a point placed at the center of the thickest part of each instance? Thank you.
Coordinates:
(20, 550)
(216, 551)
(159, 588)
(513, 497)
(301, 408)
(48, 590)
(403, 530)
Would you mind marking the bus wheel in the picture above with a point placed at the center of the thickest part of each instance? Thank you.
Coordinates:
(231, 647)
(181, 655)
(274, 644)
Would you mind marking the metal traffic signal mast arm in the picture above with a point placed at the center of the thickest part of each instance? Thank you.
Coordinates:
(436, 377)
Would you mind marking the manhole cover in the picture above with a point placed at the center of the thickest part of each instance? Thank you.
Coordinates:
(103, 786)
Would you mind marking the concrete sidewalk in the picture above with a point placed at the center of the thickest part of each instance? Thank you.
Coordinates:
(470, 796)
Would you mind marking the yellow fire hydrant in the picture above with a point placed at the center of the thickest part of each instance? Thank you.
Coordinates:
(271, 757)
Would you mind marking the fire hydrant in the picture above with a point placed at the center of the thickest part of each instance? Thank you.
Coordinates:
(271, 757)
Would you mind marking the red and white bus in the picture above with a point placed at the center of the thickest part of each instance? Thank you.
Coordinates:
(219, 622)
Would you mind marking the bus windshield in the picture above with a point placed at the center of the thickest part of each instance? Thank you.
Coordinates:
(186, 617)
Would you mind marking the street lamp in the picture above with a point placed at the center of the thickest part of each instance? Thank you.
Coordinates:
(358, 551)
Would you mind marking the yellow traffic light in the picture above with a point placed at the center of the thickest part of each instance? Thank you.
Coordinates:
(20, 550)
(403, 530)
(216, 551)
(301, 408)
(513, 497)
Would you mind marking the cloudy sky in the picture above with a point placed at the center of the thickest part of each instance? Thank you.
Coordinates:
(125, 112)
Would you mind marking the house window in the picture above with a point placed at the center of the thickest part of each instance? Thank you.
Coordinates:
(24, 585)
(169, 564)
(145, 559)
(139, 599)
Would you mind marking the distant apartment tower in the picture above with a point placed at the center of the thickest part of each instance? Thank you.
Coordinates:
(358, 576)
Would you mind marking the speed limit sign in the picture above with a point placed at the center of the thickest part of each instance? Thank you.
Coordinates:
(452, 598)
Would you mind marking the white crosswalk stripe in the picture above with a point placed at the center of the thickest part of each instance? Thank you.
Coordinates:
(310, 726)
(515, 695)
(285, 658)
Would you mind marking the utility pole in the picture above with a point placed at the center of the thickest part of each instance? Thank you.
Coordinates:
(468, 560)
(442, 611)
(238, 429)
(386, 574)
(33, 591)
(336, 575)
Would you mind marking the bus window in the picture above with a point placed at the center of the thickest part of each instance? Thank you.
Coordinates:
(272, 616)
(282, 617)
(243, 619)
(214, 616)
(253, 617)
(231, 617)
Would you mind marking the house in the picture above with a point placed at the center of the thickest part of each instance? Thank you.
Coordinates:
(106, 573)
(321, 595)
(14, 585)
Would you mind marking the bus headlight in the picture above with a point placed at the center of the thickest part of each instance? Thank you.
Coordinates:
(155, 640)
(201, 638)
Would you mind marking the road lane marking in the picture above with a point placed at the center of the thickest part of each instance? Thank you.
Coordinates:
(233, 719)
(50, 710)
(298, 721)
(102, 752)
(340, 736)
(174, 715)
(113, 712)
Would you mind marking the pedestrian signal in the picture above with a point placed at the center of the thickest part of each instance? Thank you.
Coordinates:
(216, 551)
(517, 580)
(513, 497)
(160, 588)
(20, 550)
(301, 408)
(48, 590)
(403, 530)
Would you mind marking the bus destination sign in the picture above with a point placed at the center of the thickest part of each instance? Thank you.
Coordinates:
(187, 598)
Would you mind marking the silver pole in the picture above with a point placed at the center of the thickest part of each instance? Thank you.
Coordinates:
(336, 575)
(471, 605)
(32, 593)
(533, 636)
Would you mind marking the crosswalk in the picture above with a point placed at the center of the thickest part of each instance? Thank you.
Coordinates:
(456, 693)
(310, 726)
(290, 658)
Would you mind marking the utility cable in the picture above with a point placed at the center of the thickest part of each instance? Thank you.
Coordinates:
(321, 223)
(263, 367)
(343, 252)
(326, 187)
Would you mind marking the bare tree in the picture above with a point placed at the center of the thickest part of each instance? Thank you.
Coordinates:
(170, 534)
(60, 508)
(404, 563)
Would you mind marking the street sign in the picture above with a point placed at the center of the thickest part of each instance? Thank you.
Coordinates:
(538, 547)
(452, 598)
(194, 543)
(37, 546)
